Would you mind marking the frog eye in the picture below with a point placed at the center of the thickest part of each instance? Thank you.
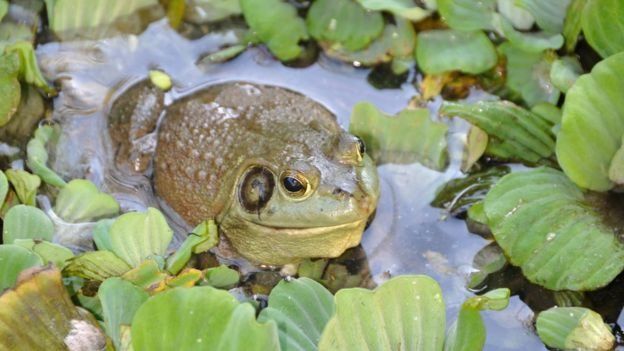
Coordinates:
(256, 188)
(361, 146)
(295, 184)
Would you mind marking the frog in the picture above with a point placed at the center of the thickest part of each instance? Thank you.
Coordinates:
(273, 167)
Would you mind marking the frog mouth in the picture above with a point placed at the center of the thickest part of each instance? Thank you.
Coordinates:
(308, 231)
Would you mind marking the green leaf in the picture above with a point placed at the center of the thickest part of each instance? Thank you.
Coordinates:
(277, 25)
(26, 222)
(488, 260)
(136, 236)
(49, 252)
(120, 300)
(204, 237)
(535, 42)
(468, 15)
(592, 125)
(405, 310)
(548, 111)
(603, 26)
(101, 234)
(206, 11)
(549, 15)
(29, 70)
(13, 260)
(81, 201)
(445, 50)
(476, 144)
(572, 23)
(519, 17)
(514, 133)
(411, 136)
(96, 265)
(11, 94)
(221, 277)
(38, 155)
(301, 308)
(343, 23)
(574, 328)
(11, 33)
(528, 74)
(4, 187)
(546, 227)
(200, 318)
(146, 275)
(564, 72)
(25, 185)
(401, 8)
(4, 7)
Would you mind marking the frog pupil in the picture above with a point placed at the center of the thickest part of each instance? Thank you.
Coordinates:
(292, 184)
(361, 146)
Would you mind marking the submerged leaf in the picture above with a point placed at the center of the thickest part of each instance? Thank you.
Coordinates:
(301, 308)
(440, 51)
(81, 201)
(546, 227)
(13, 260)
(38, 155)
(277, 25)
(592, 125)
(370, 320)
(26, 222)
(200, 318)
(344, 23)
(603, 26)
(574, 328)
(136, 236)
(411, 136)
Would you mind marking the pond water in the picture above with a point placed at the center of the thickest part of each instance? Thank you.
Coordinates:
(407, 236)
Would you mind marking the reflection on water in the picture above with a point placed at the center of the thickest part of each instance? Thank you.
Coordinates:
(407, 235)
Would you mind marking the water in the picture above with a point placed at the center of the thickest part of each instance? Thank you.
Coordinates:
(406, 237)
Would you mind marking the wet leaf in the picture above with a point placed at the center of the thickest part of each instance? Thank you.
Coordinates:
(603, 26)
(29, 70)
(136, 236)
(488, 260)
(568, 298)
(200, 318)
(277, 25)
(564, 72)
(514, 133)
(221, 277)
(38, 155)
(301, 308)
(457, 195)
(49, 252)
(534, 42)
(572, 23)
(343, 23)
(40, 296)
(4, 187)
(468, 15)
(546, 227)
(204, 237)
(13, 260)
(476, 143)
(120, 300)
(401, 8)
(224, 54)
(205, 11)
(370, 320)
(440, 51)
(592, 126)
(411, 136)
(574, 328)
(81, 201)
(11, 93)
(549, 15)
(25, 185)
(26, 222)
(96, 265)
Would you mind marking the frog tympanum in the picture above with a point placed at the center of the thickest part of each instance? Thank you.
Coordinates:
(271, 166)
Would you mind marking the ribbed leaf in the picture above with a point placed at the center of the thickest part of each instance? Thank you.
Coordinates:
(603, 26)
(574, 328)
(38, 156)
(81, 201)
(120, 300)
(26, 222)
(549, 15)
(96, 265)
(4, 187)
(301, 308)
(49, 252)
(543, 223)
(13, 260)
(468, 14)
(572, 23)
(25, 185)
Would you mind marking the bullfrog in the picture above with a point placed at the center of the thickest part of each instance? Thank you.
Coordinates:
(273, 167)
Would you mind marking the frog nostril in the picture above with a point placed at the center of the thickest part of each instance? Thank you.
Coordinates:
(337, 191)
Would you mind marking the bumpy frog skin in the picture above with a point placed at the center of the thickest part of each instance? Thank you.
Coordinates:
(274, 168)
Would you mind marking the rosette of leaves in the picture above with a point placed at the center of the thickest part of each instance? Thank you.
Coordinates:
(574, 328)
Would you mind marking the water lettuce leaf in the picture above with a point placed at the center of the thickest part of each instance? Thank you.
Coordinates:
(4, 187)
(547, 228)
(37, 155)
(411, 136)
(519, 17)
(401, 8)
(204, 237)
(343, 23)
(28, 69)
(81, 201)
(381, 319)
(574, 328)
(444, 50)
(572, 23)
(205, 11)
(564, 72)
(11, 94)
(531, 42)
(13, 260)
(221, 277)
(603, 26)
(488, 260)
(277, 25)
(136, 236)
(200, 318)
(26, 222)
(514, 133)
(40, 296)
(468, 15)
(549, 15)
(49, 252)
(96, 265)
(4, 8)
(301, 308)
(120, 300)
(592, 127)
(25, 185)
